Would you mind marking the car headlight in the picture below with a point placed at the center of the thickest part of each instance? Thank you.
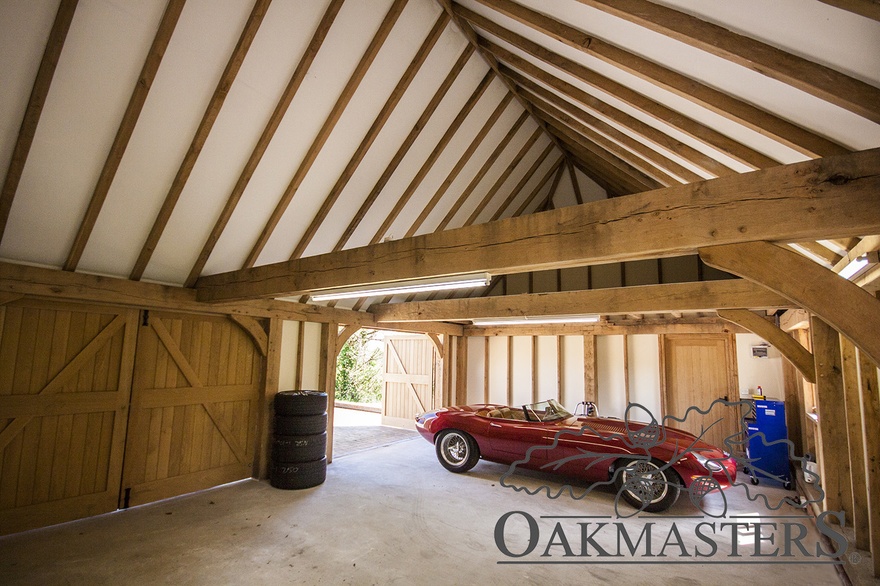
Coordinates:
(710, 465)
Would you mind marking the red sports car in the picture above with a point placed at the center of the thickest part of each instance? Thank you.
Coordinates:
(649, 464)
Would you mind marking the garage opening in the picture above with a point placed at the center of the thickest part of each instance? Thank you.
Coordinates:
(371, 408)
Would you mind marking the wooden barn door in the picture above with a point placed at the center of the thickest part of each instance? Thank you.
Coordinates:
(700, 369)
(193, 406)
(410, 367)
(65, 380)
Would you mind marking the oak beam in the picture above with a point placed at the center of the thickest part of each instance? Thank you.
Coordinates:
(462, 161)
(478, 177)
(34, 109)
(800, 139)
(740, 152)
(125, 130)
(646, 131)
(813, 78)
(868, 374)
(268, 133)
(702, 296)
(438, 149)
(519, 186)
(799, 356)
(867, 8)
(832, 437)
(327, 127)
(704, 325)
(19, 280)
(378, 124)
(823, 198)
(855, 439)
(404, 147)
(599, 126)
(248, 33)
(849, 309)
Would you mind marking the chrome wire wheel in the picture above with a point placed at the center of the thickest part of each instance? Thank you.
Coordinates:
(645, 482)
(454, 448)
(647, 485)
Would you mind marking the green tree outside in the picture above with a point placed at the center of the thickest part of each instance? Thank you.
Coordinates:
(358, 369)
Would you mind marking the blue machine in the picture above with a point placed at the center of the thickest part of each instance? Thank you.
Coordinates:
(768, 461)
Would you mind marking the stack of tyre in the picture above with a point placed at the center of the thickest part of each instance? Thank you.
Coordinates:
(299, 441)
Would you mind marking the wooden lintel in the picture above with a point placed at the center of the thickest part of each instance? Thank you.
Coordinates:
(823, 198)
(704, 325)
(19, 280)
(853, 312)
(700, 296)
(799, 356)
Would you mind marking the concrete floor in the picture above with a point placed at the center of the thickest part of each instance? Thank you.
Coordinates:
(386, 516)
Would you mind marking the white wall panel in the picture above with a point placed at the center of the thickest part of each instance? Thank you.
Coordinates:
(498, 370)
(522, 370)
(644, 373)
(766, 372)
(547, 381)
(609, 373)
(572, 371)
(476, 360)
(311, 356)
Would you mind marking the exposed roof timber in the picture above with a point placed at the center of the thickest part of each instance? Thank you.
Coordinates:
(533, 195)
(358, 156)
(865, 245)
(268, 133)
(703, 296)
(462, 161)
(514, 193)
(192, 154)
(636, 147)
(612, 190)
(31, 119)
(823, 198)
(817, 249)
(575, 185)
(611, 147)
(478, 177)
(18, 280)
(849, 309)
(592, 103)
(126, 128)
(818, 80)
(548, 201)
(730, 147)
(607, 164)
(867, 8)
(329, 124)
(490, 195)
(435, 154)
(471, 35)
(404, 147)
(804, 141)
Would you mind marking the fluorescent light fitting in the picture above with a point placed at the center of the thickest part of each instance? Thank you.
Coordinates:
(405, 287)
(854, 266)
(536, 320)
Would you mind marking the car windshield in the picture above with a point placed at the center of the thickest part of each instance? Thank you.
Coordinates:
(546, 411)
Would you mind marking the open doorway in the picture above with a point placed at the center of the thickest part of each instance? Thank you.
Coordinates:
(360, 413)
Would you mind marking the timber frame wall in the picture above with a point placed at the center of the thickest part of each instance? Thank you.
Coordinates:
(840, 368)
